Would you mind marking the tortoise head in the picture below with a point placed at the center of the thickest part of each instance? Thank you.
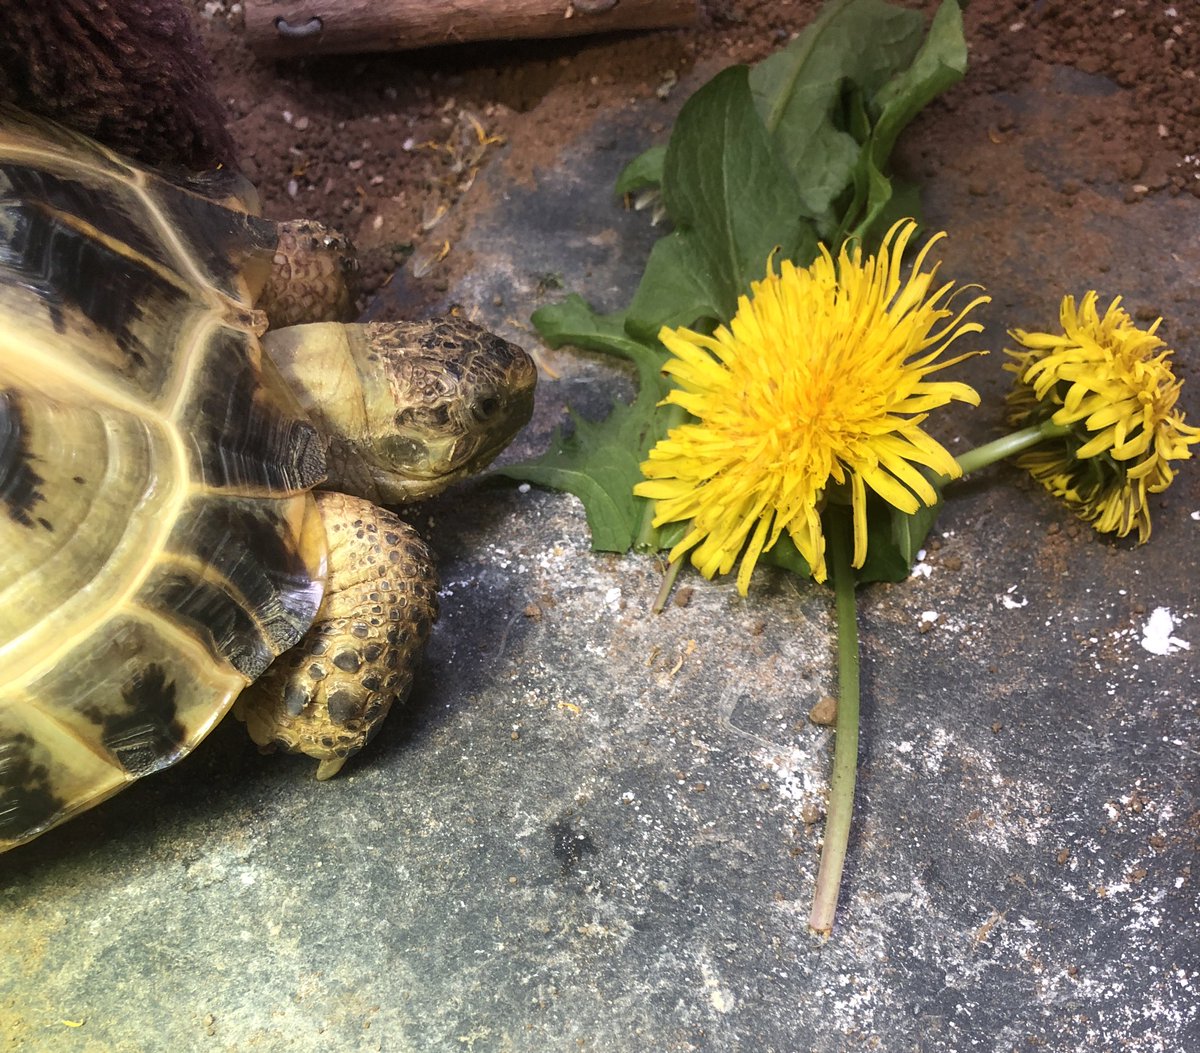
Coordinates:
(407, 407)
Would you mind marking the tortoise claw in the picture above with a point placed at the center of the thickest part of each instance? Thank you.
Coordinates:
(329, 767)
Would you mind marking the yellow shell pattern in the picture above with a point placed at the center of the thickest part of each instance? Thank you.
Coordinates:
(158, 543)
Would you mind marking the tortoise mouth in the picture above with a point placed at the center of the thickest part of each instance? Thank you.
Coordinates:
(435, 469)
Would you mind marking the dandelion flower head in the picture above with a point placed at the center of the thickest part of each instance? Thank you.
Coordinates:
(1111, 384)
(816, 390)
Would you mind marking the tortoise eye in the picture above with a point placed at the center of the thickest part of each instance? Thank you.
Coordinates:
(485, 409)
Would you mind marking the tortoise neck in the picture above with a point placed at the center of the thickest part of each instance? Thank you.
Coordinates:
(318, 363)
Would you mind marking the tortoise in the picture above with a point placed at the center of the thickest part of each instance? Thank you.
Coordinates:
(191, 482)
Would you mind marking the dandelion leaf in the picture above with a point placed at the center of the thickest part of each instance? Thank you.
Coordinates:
(599, 461)
(804, 94)
(893, 541)
(574, 322)
(644, 172)
(733, 202)
(894, 538)
(940, 63)
(785, 554)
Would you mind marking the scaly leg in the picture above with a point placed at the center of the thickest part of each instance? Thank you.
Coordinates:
(328, 695)
(314, 276)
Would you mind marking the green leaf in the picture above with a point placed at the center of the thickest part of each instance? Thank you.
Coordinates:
(940, 63)
(672, 291)
(574, 322)
(852, 46)
(642, 173)
(599, 464)
(733, 203)
(785, 554)
(900, 200)
(894, 538)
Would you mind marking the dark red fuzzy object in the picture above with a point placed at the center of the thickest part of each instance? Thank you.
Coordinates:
(130, 73)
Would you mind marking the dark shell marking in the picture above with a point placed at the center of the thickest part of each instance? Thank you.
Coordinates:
(148, 729)
(27, 797)
(19, 481)
(143, 437)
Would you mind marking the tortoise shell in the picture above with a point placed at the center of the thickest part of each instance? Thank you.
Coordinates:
(158, 539)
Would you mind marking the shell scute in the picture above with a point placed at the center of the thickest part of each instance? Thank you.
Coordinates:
(29, 799)
(39, 202)
(106, 483)
(232, 248)
(122, 702)
(245, 431)
(243, 577)
(159, 545)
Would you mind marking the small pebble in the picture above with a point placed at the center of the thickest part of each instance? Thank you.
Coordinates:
(1131, 165)
(824, 712)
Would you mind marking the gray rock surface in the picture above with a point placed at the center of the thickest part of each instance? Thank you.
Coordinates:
(597, 829)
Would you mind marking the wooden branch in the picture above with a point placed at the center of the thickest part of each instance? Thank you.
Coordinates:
(280, 28)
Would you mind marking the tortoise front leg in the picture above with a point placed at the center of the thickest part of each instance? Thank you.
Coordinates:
(328, 695)
(313, 276)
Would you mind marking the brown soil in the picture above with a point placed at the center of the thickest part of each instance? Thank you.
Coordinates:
(382, 145)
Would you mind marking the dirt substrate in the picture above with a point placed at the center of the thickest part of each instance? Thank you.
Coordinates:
(383, 145)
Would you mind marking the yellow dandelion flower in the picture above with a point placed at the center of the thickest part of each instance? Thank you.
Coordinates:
(817, 385)
(1111, 384)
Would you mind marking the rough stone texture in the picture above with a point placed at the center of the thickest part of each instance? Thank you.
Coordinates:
(597, 829)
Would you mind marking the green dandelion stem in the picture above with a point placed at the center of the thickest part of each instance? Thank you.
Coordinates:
(845, 750)
(660, 601)
(1017, 442)
(646, 539)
